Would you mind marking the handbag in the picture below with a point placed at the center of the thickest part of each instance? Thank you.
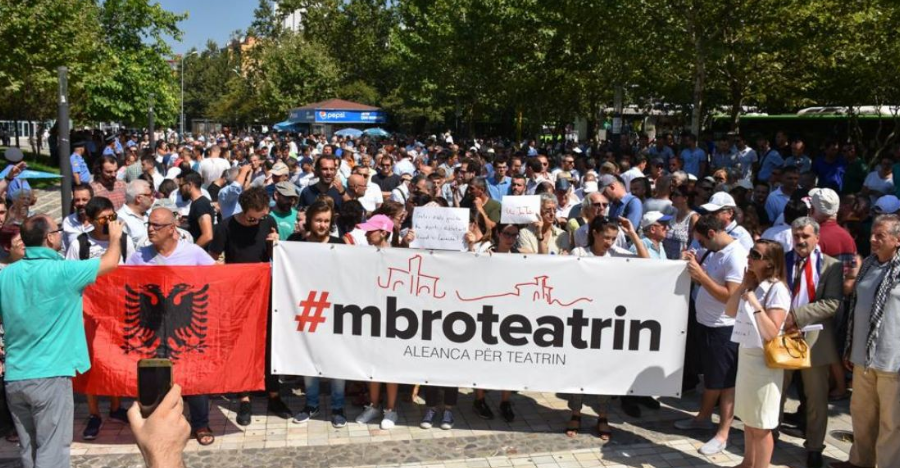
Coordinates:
(790, 352)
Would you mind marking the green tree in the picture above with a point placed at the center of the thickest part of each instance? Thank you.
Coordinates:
(39, 36)
(133, 63)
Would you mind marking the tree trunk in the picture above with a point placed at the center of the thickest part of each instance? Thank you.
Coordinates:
(699, 84)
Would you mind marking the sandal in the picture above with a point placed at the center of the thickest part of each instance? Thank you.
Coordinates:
(606, 434)
(573, 426)
(204, 436)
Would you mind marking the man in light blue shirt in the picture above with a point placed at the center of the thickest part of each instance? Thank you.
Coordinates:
(499, 183)
(41, 309)
(693, 157)
(654, 226)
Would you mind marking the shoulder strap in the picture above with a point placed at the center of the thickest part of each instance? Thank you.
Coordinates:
(580, 221)
(123, 244)
(84, 248)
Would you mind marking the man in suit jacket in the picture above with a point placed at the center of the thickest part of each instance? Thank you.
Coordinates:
(816, 282)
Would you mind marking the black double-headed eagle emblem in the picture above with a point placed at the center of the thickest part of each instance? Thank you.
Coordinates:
(165, 325)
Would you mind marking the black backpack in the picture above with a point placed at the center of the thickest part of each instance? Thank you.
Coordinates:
(84, 248)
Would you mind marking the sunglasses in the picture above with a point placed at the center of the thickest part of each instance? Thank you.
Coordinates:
(509, 235)
(102, 220)
(755, 255)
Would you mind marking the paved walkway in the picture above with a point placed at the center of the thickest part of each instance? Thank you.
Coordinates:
(534, 439)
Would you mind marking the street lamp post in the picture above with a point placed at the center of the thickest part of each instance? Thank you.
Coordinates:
(181, 134)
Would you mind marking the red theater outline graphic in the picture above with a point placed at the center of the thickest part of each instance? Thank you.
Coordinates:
(539, 290)
(413, 278)
(416, 283)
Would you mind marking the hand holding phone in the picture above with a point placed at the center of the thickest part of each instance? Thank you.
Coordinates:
(154, 382)
(163, 436)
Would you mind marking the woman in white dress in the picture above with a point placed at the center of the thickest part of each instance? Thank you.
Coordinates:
(759, 306)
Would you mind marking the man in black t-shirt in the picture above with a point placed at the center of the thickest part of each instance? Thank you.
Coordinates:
(247, 237)
(202, 213)
(385, 179)
(326, 171)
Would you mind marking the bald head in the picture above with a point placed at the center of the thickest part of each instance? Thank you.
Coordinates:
(36, 231)
(162, 215)
(357, 185)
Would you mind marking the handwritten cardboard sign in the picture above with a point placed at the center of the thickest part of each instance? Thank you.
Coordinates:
(440, 228)
(520, 209)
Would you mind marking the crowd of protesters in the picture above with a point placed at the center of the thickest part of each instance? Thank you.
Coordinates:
(770, 233)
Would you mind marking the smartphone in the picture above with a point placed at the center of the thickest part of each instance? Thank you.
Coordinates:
(154, 381)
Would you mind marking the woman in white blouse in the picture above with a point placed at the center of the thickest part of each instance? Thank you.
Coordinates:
(759, 306)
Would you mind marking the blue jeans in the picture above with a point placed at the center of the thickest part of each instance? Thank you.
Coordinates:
(312, 392)
(199, 410)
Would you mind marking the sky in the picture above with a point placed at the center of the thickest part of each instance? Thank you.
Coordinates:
(209, 19)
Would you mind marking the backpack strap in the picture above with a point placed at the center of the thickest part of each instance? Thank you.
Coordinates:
(84, 248)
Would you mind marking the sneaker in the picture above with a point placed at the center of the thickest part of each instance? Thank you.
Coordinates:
(93, 428)
(713, 447)
(506, 411)
(447, 420)
(482, 409)
(368, 414)
(338, 420)
(428, 419)
(120, 415)
(244, 413)
(277, 407)
(390, 419)
(691, 424)
(307, 413)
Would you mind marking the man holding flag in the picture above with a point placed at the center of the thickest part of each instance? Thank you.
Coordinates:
(167, 249)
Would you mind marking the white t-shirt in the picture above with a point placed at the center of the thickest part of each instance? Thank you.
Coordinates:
(630, 175)
(614, 251)
(212, 169)
(875, 183)
(746, 329)
(372, 198)
(724, 266)
(96, 249)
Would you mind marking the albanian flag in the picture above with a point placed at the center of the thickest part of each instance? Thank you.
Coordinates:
(210, 321)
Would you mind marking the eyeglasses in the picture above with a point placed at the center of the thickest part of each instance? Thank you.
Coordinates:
(509, 235)
(253, 220)
(755, 255)
(55, 231)
(102, 220)
(158, 226)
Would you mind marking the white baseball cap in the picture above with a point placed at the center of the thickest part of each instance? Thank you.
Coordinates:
(653, 217)
(718, 201)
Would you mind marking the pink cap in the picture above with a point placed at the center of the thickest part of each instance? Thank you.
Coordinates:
(377, 223)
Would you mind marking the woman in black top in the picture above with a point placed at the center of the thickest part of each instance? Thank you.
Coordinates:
(319, 221)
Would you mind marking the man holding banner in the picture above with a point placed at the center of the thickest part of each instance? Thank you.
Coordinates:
(165, 249)
(41, 308)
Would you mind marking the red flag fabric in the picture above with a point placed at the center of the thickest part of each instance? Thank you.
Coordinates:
(209, 320)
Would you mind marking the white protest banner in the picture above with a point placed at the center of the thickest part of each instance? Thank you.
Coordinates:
(504, 321)
(440, 228)
(520, 209)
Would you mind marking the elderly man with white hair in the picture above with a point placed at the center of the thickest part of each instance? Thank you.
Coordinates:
(138, 200)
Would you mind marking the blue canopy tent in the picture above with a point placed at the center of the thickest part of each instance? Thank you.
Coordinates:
(329, 116)
(377, 132)
(349, 132)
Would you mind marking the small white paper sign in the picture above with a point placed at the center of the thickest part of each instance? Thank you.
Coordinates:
(745, 330)
(520, 209)
(440, 228)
